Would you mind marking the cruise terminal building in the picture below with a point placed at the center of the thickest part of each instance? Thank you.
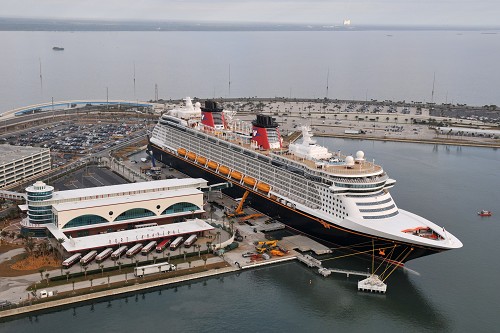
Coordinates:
(109, 216)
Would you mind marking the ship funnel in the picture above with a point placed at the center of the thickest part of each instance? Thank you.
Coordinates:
(212, 116)
(265, 133)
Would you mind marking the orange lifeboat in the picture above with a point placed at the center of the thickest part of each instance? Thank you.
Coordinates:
(212, 165)
(264, 187)
(201, 160)
(236, 175)
(191, 156)
(181, 151)
(249, 181)
(224, 170)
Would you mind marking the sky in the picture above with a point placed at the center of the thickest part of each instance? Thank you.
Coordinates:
(327, 12)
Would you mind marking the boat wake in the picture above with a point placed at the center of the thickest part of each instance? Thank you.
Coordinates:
(409, 270)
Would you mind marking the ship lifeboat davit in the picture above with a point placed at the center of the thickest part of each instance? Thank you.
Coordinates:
(191, 156)
(263, 187)
(249, 181)
(236, 175)
(201, 160)
(224, 170)
(181, 151)
(212, 165)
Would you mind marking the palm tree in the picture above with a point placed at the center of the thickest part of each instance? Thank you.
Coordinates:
(41, 273)
(205, 261)
(73, 287)
(154, 259)
(85, 269)
(91, 280)
(47, 278)
(142, 274)
(168, 256)
(67, 276)
(119, 266)
(101, 266)
(185, 252)
(218, 235)
(199, 250)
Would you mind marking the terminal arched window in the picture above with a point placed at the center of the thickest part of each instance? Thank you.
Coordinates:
(85, 220)
(180, 208)
(134, 213)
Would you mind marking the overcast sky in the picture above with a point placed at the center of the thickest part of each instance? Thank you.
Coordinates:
(328, 12)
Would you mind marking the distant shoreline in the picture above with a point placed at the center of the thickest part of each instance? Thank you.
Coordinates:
(421, 141)
(30, 24)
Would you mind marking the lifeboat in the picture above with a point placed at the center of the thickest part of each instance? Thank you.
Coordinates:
(201, 160)
(236, 175)
(249, 181)
(212, 165)
(264, 187)
(181, 151)
(191, 156)
(484, 213)
(224, 170)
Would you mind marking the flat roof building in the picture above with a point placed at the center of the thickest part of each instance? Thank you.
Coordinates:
(112, 209)
(19, 162)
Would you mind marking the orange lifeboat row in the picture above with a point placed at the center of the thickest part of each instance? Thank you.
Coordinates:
(236, 175)
(212, 165)
(201, 160)
(249, 181)
(264, 187)
(224, 170)
(191, 156)
(181, 151)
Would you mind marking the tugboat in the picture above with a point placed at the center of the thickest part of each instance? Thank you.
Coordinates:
(484, 213)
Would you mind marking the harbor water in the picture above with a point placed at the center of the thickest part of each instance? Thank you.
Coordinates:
(361, 65)
(447, 292)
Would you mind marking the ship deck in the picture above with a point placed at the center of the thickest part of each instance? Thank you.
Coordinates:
(363, 168)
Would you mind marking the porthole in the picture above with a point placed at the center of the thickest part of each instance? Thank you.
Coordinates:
(158, 207)
(110, 212)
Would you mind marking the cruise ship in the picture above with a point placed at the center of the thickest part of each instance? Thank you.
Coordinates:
(342, 201)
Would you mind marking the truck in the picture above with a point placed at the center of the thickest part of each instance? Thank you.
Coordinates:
(152, 269)
(354, 131)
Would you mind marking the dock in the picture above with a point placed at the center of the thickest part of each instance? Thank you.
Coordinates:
(372, 283)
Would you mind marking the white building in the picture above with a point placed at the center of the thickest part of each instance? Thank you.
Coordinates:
(113, 210)
(18, 163)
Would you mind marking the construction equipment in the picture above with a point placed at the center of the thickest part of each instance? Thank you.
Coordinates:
(265, 246)
(251, 216)
(239, 210)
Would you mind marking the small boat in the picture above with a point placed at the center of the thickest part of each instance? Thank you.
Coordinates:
(57, 48)
(484, 213)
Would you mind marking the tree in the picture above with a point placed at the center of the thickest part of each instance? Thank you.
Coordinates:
(41, 273)
(154, 259)
(168, 256)
(67, 276)
(119, 266)
(47, 278)
(199, 249)
(205, 261)
(85, 269)
(101, 266)
(185, 252)
(143, 273)
(91, 280)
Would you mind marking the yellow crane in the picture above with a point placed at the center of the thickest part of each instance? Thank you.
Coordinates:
(239, 210)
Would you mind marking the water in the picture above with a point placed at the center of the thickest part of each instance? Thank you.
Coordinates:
(448, 292)
(362, 65)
